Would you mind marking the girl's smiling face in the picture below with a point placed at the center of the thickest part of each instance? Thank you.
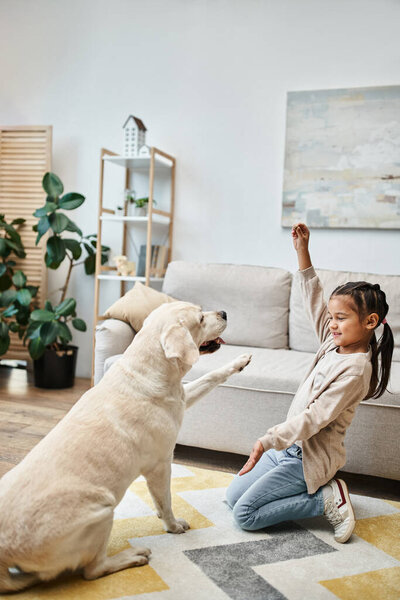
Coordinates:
(351, 332)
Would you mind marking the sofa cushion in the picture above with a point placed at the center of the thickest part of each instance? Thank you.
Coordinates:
(278, 371)
(136, 305)
(256, 299)
(112, 337)
(301, 332)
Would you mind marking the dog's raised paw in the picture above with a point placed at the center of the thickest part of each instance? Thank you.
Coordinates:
(241, 362)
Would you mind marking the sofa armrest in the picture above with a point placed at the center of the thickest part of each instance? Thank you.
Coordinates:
(112, 337)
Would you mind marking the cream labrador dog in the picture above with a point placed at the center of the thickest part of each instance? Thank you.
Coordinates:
(57, 505)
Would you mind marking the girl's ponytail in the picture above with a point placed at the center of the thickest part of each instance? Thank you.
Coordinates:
(371, 299)
(384, 350)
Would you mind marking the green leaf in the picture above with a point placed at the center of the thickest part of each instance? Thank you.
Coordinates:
(52, 185)
(51, 264)
(42, 315)
(55, 250)
(36, 348)
(73, 227)
(42, 227)
(32, 330)
(66, 307)
(14, 235)
(49, 332)
(3, 269)
(17, 221)
(7, 297)
(49, 207)
(74, 247)
(3, 247)
(10, 311)
(48, 306)
(19, 279)
(24, 297)
(79, 324)
(58, 222)
(71, 201)
(33, 289)
(18, 249)
(14, 327)
(5, 282)
(89, 248)
(64, 332)
(90, 264)
(11, 263)
(23, 314)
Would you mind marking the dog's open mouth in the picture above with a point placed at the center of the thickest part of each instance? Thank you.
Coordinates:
(211, 346)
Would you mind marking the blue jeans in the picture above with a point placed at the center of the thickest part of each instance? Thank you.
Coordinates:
(273, 491)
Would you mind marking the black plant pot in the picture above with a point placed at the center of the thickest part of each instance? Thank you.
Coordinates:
(55, 369)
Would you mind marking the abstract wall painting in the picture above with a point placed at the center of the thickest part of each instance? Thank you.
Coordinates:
(342, 158)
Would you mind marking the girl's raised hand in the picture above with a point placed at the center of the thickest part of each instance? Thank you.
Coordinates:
(300, 236)
(256, 454)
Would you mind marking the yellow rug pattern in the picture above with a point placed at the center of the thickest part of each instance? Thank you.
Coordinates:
(302, 560)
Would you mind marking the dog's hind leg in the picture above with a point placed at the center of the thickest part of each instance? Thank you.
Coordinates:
(105, 565)
(14, 582)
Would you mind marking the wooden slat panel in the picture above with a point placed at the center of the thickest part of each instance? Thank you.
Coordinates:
(25, 156)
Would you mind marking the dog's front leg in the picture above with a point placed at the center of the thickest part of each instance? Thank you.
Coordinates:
(200, 387)
(159, 484)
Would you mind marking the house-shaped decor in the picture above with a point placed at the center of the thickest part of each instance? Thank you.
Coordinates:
(134, 136)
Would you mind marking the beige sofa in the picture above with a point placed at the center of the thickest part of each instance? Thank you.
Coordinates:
(266, 318)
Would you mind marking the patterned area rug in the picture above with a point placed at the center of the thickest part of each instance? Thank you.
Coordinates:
(216, 560)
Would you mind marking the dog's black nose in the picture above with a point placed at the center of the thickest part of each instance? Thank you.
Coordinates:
(223, 315)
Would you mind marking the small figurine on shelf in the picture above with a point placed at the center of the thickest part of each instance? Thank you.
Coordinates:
(125, 267)
(134, 136)
(144, 151)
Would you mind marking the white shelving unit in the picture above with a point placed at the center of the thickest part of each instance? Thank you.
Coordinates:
(160, 219)
(158, 163)
(140, 163)
(128, 278)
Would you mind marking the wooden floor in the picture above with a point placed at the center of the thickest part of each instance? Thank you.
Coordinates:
(28, 413)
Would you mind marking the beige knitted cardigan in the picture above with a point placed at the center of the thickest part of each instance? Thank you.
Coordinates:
(330, 401)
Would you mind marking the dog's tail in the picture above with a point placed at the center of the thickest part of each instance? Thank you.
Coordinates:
(13, 582)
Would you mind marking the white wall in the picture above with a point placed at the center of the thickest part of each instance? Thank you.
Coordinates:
(209, 79)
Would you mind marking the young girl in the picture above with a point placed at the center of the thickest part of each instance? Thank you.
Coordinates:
(290, 471)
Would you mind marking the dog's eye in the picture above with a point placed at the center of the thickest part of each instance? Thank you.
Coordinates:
(202, 318)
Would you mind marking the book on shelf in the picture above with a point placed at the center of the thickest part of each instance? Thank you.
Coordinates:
(162, 259)
(158, 260)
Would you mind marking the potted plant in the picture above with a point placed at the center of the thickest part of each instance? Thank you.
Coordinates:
(48, 332)
(16, 296)
(140, 204)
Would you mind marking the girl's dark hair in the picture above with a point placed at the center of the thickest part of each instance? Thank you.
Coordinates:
(368, 299)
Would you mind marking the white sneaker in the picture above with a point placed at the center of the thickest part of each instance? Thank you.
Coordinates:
(338, 509)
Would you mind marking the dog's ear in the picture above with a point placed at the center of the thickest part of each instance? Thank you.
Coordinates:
(177, 342)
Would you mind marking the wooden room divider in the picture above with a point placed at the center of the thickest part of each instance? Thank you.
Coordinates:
(25, 156)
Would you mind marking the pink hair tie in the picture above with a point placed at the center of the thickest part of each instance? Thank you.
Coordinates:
(384, 322)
